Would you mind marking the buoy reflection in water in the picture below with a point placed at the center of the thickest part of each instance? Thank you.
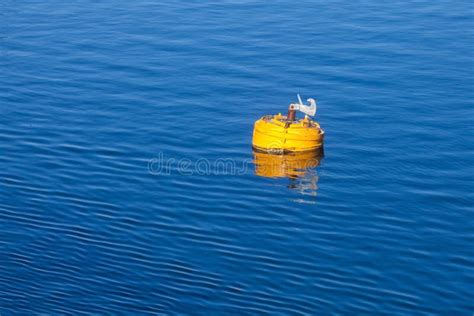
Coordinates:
(299, 168)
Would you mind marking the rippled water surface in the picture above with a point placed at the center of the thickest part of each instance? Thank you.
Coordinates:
(115, 115)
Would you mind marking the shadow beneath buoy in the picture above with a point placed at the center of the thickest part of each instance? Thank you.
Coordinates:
(299, 168)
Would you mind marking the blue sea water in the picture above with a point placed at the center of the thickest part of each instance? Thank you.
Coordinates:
(115, 114)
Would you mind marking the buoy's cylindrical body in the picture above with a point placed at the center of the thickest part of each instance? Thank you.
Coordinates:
(279, 134)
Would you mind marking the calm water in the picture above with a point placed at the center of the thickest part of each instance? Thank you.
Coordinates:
(96, 96)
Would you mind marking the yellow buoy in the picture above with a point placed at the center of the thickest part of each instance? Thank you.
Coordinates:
(280, 134)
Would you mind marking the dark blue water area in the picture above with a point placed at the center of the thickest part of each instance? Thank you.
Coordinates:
(114, 116)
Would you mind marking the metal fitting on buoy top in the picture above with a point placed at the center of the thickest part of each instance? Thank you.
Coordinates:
(291, 113)
(280, 134)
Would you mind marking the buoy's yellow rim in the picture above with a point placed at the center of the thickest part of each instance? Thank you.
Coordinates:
(281, 151)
